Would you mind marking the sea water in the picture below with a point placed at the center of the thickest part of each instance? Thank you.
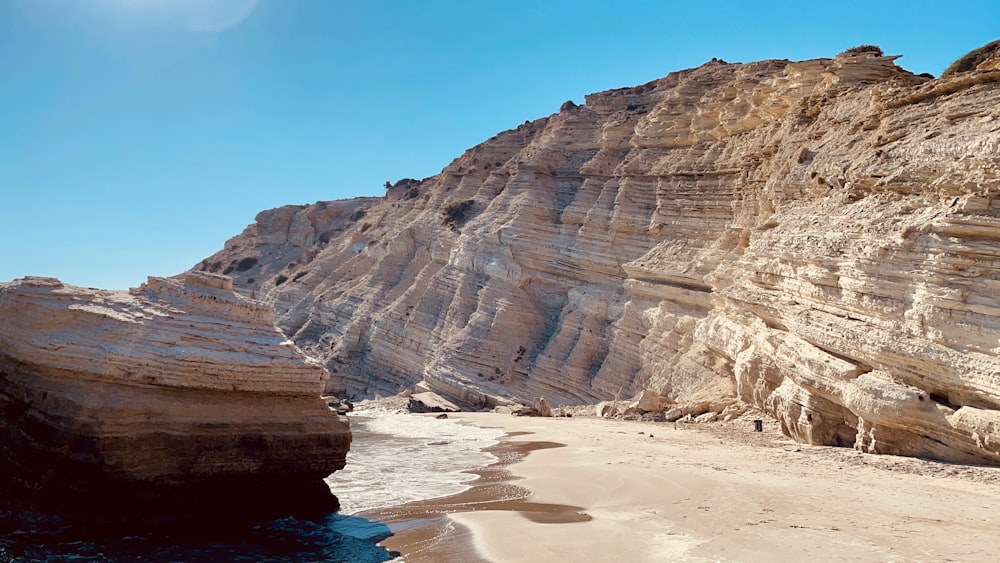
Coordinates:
(395, 458)
(398, 458)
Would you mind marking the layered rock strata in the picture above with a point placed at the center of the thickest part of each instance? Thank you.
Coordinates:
(176, 387)
(816, 238)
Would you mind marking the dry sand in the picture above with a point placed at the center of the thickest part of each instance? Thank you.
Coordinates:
(604, 490)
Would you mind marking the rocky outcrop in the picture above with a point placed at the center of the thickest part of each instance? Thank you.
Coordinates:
(179, 386)
(814, 238)
(428, 401)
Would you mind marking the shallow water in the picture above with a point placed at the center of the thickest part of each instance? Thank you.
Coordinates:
(394, 459)
(400, 458)
(51, 538)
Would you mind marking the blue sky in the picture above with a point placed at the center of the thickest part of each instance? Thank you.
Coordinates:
(136, 136)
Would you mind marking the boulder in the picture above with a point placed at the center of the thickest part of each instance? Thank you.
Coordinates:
(341, 407)
(524, 410)
(543, 408)
(429, 401)
(673, 414)
(650, 401)
(606, 409)
(706, 417)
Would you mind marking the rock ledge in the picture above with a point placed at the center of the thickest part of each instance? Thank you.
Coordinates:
(178, 386)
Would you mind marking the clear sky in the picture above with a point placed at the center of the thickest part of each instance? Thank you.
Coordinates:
(136, 136)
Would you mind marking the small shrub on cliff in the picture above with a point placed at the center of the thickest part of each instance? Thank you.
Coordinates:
(969, 61)
(863, 49)
(455, 212)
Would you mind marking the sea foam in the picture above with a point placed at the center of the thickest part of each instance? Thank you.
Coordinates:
(397, 458)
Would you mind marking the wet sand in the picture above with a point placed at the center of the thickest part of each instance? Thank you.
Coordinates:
(595, 489)
(423, 530)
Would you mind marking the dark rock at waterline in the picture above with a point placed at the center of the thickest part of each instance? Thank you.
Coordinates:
(234, 497)
(342, 407)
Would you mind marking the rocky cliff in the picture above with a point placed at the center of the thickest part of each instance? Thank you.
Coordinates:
(817, 238)
(177, 386)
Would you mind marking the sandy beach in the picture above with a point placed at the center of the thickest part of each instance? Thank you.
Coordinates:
(589, 489)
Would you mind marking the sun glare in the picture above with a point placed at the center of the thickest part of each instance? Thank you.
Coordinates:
(195, 15)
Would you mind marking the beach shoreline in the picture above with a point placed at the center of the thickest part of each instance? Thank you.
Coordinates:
(641, 491)
(423, 530)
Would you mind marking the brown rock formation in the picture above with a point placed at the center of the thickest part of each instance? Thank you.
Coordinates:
(816, 238)
(174, 387)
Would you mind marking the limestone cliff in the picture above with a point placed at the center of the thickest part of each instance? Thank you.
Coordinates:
(817, 238)
(174, 385)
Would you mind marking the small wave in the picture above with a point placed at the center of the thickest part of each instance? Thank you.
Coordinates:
(398, 458)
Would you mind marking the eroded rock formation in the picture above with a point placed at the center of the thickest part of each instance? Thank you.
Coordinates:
(817, 238)
(177, 386)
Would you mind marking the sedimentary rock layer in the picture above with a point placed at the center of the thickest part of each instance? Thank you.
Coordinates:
(179, 383)
(817, 238)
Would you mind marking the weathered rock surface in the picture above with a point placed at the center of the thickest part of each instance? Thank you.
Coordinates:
(815, 238)
(178, 385)
(429, 401)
